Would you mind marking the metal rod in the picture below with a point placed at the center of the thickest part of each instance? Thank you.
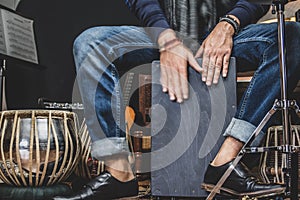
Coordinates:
(2, 89)
(240, 155)
(291, 183)
(283, 72)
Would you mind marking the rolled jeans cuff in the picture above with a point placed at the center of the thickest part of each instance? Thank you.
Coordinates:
(109, 147)
(242, 131)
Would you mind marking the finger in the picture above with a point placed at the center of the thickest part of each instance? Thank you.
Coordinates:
(194, 63)
(199, 53)
(177, 87)
(205, 65)
(210, 71)
(225, 65)
(182, 74)
(164, 78)
(218, 68)
(183, 80)
(170, 83)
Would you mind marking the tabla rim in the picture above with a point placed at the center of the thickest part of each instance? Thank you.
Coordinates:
(41, 112)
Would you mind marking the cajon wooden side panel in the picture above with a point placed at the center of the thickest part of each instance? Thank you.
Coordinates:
(186, 137)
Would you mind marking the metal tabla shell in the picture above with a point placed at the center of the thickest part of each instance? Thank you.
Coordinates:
(38, 147)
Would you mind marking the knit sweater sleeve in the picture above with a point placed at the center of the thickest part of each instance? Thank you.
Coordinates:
(150, 14)
(248, 12)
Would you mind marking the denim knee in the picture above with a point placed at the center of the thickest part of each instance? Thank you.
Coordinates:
(84, 42)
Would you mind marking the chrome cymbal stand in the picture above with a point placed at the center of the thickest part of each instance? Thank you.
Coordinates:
(284, 105)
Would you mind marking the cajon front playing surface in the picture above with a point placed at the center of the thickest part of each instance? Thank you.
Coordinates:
(186, 137)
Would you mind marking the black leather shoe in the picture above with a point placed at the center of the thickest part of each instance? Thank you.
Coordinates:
(239, 183)
(105, 186)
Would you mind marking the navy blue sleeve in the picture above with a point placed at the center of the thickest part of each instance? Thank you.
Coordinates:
(150, 14)
(248, 13)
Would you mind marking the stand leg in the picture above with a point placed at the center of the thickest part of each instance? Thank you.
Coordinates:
(2, 89)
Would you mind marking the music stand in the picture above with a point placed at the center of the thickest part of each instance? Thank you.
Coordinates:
(2, 85)
(291, 173)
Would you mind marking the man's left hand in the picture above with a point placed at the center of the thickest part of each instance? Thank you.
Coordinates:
(215, 51)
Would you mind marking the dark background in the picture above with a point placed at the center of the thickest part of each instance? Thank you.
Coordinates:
(57, 23)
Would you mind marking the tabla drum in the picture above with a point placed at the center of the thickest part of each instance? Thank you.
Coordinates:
(87, 167)
(38, 147)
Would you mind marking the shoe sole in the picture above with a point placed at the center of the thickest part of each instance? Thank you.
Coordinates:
(229, 192)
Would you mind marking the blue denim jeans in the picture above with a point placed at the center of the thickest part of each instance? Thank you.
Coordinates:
(103, 54)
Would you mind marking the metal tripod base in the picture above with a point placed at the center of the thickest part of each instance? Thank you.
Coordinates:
(289, 149)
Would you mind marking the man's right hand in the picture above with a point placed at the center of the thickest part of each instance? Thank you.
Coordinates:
(173, 65)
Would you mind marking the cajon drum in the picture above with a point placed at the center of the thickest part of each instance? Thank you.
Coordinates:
(186, 137)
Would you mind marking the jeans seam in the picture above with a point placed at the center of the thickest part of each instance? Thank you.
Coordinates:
(118, 120)
(254, 39)
(247, 94)
(144, 45)
(249, 89)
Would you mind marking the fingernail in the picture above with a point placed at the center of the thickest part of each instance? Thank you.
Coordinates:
(203, 79)
(165, 90)
(185, 96)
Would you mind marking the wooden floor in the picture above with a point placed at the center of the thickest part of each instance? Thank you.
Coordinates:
(145, 194)
(14, 193)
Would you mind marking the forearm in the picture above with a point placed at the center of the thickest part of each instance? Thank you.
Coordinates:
(248, 13)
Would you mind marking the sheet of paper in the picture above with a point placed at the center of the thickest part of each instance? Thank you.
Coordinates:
(8, 3)
(19, 36)
(2, 40)
(16, 3)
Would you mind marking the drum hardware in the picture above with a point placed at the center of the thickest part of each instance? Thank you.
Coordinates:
(287, 148)
(273, 163)
(297, 15)
(60, 106)
(2, 85)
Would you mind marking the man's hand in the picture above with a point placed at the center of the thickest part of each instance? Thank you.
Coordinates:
(173, 65)
(215, 51)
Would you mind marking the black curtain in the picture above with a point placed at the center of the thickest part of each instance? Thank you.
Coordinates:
(56, 25)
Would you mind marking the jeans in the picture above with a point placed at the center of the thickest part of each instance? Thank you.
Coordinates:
(103, 54)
